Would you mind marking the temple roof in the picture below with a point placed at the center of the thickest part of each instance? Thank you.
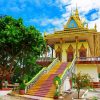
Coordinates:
(74, 21)
(73, 27)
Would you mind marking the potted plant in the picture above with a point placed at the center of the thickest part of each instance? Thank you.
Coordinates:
(56, 95)
(81, 81)
(57, 83)
(22, 88)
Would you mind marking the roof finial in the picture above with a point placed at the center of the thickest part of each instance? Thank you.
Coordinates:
(87, 25)
(95, 26)
(45, 34)
(76, 12)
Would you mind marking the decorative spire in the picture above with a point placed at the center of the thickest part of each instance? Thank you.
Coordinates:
(95, 27)
(45, 33)
(87, 25)
(76, 11)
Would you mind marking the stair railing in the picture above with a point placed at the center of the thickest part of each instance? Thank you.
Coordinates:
(68, 71)
(55, 61)
(34, 79)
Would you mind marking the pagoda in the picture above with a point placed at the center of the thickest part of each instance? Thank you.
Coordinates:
(76, 48)
(76, 39)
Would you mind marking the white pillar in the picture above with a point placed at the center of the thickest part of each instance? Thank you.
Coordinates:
(66, 85)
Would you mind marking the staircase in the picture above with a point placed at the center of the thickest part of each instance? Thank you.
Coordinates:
(44, 87)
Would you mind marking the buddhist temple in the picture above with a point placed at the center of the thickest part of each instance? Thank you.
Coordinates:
(75, 49)
(76, 40)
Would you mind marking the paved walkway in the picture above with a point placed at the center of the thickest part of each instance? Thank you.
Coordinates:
(27, 97)
(7, 97)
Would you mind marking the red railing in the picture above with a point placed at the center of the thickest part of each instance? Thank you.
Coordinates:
(44, 61)
(88, 60)
(96, 84)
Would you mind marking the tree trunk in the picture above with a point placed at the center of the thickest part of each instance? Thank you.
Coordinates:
(0, 84)
(78, 94)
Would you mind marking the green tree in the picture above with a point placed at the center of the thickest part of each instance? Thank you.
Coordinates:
(81, 81)
(19, 45)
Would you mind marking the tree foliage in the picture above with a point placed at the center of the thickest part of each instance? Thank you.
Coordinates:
(20, 46)
(81, 81)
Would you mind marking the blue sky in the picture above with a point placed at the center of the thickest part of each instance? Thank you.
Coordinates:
(50, 15)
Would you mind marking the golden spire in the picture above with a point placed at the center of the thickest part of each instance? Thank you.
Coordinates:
(76, 11)
(87, 25)
(95, 27)
(45, 34)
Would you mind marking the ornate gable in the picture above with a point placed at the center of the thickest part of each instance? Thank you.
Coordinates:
(72, 24)
(70, 48)
(74, 21)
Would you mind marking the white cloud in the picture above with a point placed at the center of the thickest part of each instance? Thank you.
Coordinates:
(94, 16)
(84, 6)
(97, 22)
(57, 23)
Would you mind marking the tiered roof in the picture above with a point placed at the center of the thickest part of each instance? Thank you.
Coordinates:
(73, 26)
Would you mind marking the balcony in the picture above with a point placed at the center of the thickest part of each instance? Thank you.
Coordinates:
(88, 60)
(44, 61)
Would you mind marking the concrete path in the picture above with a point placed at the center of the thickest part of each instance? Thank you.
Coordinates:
(7, 97)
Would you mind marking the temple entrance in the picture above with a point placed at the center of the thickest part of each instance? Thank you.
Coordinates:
(82, 52)
(58, 53)
(70, 54)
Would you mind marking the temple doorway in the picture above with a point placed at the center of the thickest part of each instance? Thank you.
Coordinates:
(82, 52)
(70, 54)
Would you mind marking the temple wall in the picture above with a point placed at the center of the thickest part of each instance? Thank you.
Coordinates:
(98, 68)
(65, 46)
(91, 69)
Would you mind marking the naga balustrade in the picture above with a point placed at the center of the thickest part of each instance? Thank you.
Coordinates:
(52, 64)
(34, 79)
(69, 71)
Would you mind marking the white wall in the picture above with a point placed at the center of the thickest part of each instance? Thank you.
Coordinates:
(91, 69)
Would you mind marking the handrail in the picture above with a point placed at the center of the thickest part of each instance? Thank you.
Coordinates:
(34, 79)
(88, 59)
(52, 64)
(68, 70)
